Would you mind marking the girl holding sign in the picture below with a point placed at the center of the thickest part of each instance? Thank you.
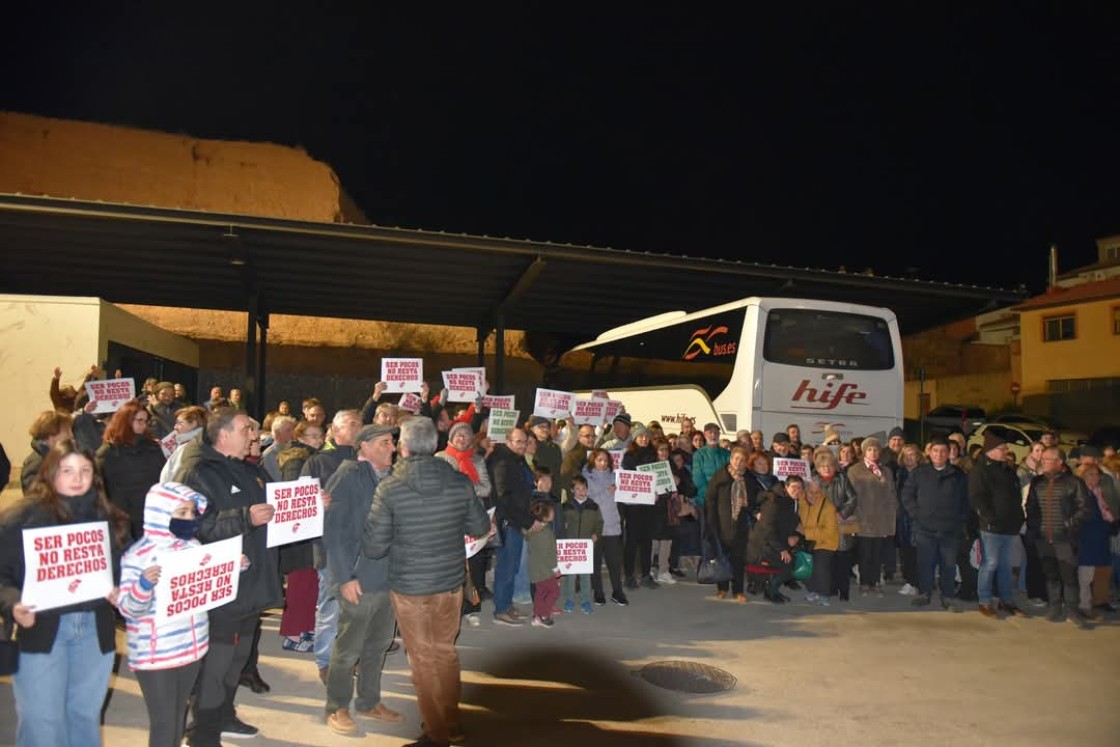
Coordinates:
(600, 486)
(66, 653)
(166, 656)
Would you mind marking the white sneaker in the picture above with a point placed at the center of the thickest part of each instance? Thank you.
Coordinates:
(473, 621)
(908, 591)
(666, 578)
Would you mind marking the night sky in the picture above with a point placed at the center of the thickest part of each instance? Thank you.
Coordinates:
(947, 144)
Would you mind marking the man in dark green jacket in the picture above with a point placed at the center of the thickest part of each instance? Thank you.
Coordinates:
(419, 518)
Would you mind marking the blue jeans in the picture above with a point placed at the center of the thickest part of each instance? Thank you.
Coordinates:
(326, 622)
(996, 564)
(506, 567)
(59, 694)
(937, 550)
(522, 591)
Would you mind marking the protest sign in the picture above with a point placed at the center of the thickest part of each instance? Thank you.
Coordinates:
(663, 481)
(402, 374)
(474, 544)
(501, 422)
(616, 457)
(589, 411)
(480, 372)
(66, 564)
(110, 394)
(169, 443)
(201, 578)
(574, 556)
(498, 402)
(299, 511)
(632, 486)
(551, 403)
(599, 394)
(614, 407)
(410, 402)
(783, 468)
(462, 386)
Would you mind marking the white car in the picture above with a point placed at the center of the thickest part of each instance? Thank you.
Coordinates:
(1019, 437)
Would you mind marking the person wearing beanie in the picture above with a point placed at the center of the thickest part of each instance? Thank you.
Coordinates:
(548, 454)
(876, 508)
(637, 548)
(995, 496)
(781, 447)
(619, 437)
(831, 436)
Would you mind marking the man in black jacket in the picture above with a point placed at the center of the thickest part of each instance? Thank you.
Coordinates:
(235, 489)
(936, 498)
(513, 494)
(419, 517)
(359, 584)
(1057, 508)
(994, 493)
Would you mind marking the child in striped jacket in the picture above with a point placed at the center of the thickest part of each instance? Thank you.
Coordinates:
(165, 656)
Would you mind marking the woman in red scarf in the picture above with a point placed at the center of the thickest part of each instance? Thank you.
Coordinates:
(462, 454)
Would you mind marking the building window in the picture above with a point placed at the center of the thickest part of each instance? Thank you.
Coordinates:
(1056, 328)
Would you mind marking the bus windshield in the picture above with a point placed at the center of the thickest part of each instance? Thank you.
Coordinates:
(827, 339)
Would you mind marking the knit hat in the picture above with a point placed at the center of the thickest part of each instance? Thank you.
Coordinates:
(781, 437)
(1088, 450)
(870, 442)
(639, 430)
(991, 440)
(460, 426)
(896, 431)
(830, 434)
(711, 426)
(538, 420)
(622, 417)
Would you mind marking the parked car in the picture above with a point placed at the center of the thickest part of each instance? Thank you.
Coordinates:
(955, 419)
(1019, 437)
(1026, 422)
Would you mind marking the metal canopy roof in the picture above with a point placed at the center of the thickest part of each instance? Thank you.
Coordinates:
(165, 257)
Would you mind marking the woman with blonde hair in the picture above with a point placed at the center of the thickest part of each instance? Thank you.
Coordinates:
(836, 488)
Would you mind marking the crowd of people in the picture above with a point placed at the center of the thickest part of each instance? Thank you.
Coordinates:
(401, 490)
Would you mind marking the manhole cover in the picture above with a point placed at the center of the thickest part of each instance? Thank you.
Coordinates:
(687, 677)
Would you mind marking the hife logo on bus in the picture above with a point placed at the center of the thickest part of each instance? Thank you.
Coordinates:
(827, 397)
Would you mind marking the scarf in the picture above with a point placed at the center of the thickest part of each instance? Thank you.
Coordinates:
(465, 458)
(738, 496)
(1105, 513)
(873, 467)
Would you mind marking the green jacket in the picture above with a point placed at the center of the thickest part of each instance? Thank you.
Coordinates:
(542, 554)
(582, 520)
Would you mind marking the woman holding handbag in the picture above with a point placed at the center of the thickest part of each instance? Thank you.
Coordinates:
(731, 501)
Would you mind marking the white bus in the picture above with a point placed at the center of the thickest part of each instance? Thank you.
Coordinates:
(759, 363)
